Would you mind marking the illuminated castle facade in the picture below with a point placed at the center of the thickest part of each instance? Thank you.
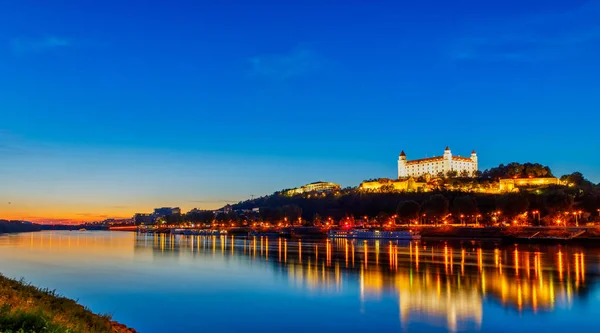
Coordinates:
(439, 165)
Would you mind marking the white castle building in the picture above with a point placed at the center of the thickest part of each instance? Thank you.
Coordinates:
(437, 165)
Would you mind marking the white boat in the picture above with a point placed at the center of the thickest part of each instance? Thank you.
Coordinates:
(374, 234)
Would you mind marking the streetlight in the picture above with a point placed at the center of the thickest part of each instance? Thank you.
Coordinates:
(577, 217)
(536, 212)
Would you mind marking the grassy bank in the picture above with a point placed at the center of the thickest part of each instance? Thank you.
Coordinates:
(27, 309)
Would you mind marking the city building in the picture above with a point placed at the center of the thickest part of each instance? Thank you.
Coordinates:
(438, 165)
(164, 211)
(225, 210)
(315, 187)
(141, 218)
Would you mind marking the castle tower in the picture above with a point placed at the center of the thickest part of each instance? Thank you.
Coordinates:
(447, 166)
(474, 159)
(402, 170)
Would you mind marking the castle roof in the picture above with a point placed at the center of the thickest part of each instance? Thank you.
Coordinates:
(428, 159)
(460, 158)
(437, 159)
(473, 152)
(402, 153)
(447, 148)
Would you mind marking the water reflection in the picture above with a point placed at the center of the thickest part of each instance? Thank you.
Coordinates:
(433, 282)
(449, 285)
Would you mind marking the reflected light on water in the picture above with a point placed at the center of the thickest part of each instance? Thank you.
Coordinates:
(421, 276)
(531, 286)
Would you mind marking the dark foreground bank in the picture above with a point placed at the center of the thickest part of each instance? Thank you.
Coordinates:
(28, 309)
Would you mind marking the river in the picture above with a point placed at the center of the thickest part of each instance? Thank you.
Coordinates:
(167, 283)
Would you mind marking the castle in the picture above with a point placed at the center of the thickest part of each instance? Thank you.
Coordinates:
(437, 166)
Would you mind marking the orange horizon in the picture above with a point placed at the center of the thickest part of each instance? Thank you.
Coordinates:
(61, 213)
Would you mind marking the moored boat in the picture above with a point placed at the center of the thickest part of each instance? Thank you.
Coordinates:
(373, 234)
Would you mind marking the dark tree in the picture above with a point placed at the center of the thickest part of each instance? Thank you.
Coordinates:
(200, 216)
(513, 204)
(317, 219)
(436, 207)
(464, 205)
(576, 178)
(388, 188)
(409, 210)
(559, 202)
(517, 170)
(452, 173)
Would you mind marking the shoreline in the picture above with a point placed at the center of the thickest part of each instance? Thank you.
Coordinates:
(506, 234)
(517, 235)
(27, 308)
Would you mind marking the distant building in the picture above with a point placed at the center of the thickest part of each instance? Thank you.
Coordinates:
(397, 185)
(315, 187)
(437, 165)
(225, 210)
(143, 219)
(164, 211)
(513, 184)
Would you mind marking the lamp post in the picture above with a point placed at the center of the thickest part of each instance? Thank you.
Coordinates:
(577, 217)
(536, 212)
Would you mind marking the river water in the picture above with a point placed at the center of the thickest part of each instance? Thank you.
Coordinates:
(168, 283)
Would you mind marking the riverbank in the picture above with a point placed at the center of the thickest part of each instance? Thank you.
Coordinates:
(511, 234)
(516, 234)
(28, 309)
(7, 227)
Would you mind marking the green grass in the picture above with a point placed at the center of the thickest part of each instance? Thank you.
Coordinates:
(19, 321)
(28, 309)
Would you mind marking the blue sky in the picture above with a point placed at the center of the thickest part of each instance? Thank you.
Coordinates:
(134, 104)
